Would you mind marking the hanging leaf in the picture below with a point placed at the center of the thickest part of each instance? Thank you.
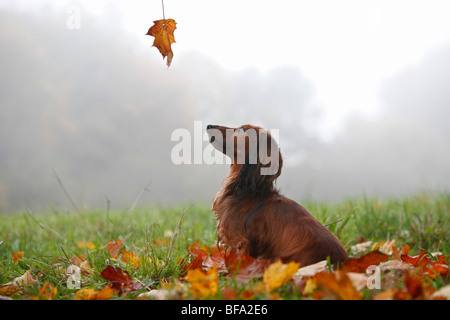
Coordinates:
(163, 31)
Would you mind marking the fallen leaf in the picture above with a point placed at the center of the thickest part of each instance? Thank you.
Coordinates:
(243, 268)
(25, 280)
(47, 291)
(204, 258)
(334, 286)
(416, 288)
(311, 269)
(163, 31)
(204, 284)
(17, 256)
(442, 293)
(438, 266)
(114, 247)
(92, 294)
(88, 245)
(128, 257)
(362, 263)
(278, 274)
(120, 280)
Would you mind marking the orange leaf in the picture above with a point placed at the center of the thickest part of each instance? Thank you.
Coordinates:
(163, 31)
(47, 291)
(129, 258)
(244, 267)
(91, 294)
(422, 260)
(113, 247)
(204, 258)
(17, 256)
(336, 285)
(87, 245)
(361, 264)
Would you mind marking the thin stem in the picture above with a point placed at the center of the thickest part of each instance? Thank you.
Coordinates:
(164, 16)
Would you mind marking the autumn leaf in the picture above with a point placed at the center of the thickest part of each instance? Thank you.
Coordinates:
(243, 268)
(114, 247)
(47, 292)
(25, 280)
(17, 256)
(204, 284)
(87, 244)
(279, 273)
(204, 258)
(336, 285)
(429, 267)
(130, 258)
(92, 294)
(163, 31)
(120, 280)
(362, 263)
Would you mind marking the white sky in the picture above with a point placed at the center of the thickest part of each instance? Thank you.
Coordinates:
(345, 48)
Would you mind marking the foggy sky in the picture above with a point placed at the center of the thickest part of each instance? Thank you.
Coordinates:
(86, 104)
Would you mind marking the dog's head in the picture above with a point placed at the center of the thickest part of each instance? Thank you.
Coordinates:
(253, 152)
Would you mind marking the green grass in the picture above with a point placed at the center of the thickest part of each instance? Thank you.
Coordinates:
(50, 239)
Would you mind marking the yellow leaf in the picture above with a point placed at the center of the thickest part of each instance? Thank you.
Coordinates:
(129, 258)
(203, 284)
(89, 245)
(279, 273)
(163, 31)
(92, 294)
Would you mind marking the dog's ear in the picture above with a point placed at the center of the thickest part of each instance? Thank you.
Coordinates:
(260, 170)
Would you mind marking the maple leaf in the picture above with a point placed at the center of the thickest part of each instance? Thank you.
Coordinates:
(163, 31)
(120, 280)
(423, 261)
(279, 273)
(204, 284)
(204, 258)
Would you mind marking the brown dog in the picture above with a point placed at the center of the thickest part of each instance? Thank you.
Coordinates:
(252, 216)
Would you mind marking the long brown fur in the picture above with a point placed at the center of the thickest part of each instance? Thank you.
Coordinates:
(255, 219)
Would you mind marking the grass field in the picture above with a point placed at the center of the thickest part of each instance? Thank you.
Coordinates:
(50, 240)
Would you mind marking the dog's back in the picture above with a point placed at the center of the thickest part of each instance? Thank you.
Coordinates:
(279, 229)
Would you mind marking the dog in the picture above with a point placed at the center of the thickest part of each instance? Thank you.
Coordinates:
(252, 216)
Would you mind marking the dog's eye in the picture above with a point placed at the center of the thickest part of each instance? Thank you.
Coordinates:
(240, 130)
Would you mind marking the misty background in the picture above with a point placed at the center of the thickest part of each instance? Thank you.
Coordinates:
(99, 110)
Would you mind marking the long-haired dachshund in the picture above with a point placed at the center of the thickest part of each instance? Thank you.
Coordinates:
(252, 217)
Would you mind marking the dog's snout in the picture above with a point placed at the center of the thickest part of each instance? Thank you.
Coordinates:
(210, 126)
